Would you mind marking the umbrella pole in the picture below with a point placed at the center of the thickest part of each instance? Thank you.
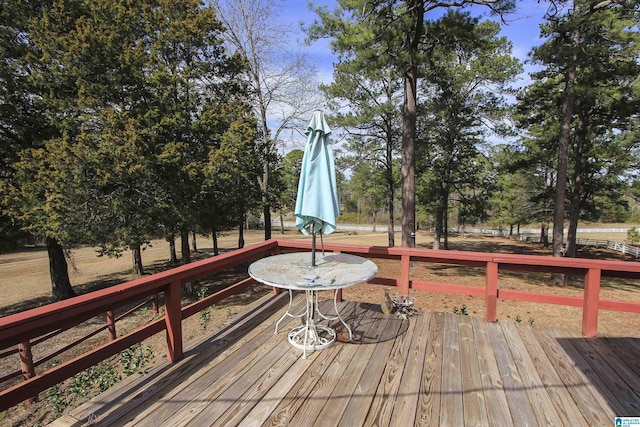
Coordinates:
(313, 245)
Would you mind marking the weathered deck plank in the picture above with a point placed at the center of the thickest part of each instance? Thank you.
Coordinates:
(498, 413)
(358, 407)
(590, 404)
(520, 408)
(549, 379)
(541, 404)
(622, 398)
(452, 408)
(408, 391)
(370, 324)
(433, 369)
(428, 409)
(475, 410)
(385, 395)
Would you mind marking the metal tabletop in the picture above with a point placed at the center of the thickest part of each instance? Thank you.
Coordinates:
(294, 271)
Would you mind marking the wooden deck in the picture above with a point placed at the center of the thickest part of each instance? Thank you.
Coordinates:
(434, 369)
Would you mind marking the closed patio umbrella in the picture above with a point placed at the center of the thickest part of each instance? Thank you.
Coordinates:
(317, 203)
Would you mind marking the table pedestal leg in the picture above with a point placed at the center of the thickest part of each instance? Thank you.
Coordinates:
(288, 312)
(337, 317)
(311, 335)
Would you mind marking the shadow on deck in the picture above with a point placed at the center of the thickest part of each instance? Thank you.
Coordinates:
(433, 369)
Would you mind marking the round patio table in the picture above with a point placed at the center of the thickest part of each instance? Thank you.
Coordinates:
(332, 272)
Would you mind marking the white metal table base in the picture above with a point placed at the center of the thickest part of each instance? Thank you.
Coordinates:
(312, 335)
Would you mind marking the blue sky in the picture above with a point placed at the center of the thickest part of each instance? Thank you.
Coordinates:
(522, 30)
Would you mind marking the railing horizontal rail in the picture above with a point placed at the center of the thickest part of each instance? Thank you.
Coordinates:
(505, 262)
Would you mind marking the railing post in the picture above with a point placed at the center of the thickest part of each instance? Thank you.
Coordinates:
(111, 325)
(591, 302)
(491, 296)
(26, 363)
(405, 266)
(173, 320)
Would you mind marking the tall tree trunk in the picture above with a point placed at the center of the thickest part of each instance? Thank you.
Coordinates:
(576, 194)
(241, 233)
(445, 218)
(267, 220)
(173, 256)
(445, 231)
(214, 236)
(266, 167)
(390, 199)
(58, 270)
(136, 259)
(408, 170)
(184, 246)
(437, 234)
(544, 234)
(562, 169)
(408, 159)
(186, 257)
(563, 154)
(194, 245)
(281, 223)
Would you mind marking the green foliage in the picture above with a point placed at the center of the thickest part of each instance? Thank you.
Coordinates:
(519, 196)
(467, 71)
(134, 359)
(585, 100)
(633, 236)
(57, 400)
(97, 378)
(387, 38)
(282, 85)
(289, 175)
(462, 311)
(367, 191)
(130, 101)
(205, 315)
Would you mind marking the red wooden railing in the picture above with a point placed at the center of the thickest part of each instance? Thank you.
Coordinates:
(20, 329)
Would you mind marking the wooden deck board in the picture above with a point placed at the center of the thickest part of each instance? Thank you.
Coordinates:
(560, 398)
(409, 389)
(475, 410)
(498, 413)
(621, 397)
(591, 404)
(360, 401)
(451, 403)
(368, 323)
(432, 369)
(381, 408)
(428, 409)
(520, 408)
(541, 403)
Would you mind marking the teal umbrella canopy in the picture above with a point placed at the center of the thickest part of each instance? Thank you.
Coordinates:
(317, 203)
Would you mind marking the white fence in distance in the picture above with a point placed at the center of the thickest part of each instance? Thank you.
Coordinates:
(527, 235)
